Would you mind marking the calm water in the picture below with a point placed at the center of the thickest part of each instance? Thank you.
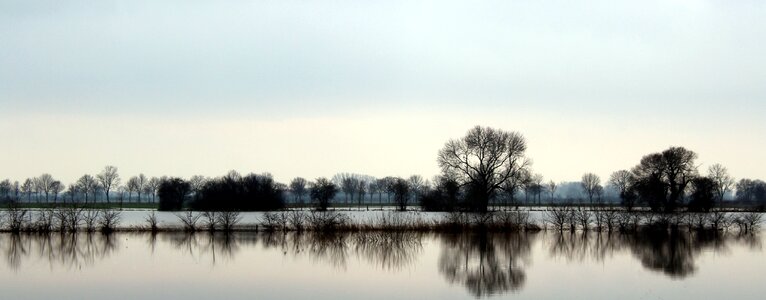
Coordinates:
(381, 266)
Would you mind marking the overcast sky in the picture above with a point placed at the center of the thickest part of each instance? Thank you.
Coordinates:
(311, 88)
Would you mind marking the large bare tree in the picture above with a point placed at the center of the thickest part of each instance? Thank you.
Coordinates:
(484, 159)
(108, 178)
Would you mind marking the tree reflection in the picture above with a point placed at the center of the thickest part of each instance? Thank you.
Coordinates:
(215, 245)
(672, 252)
(486, 263)
(387, 250)
(67, 250)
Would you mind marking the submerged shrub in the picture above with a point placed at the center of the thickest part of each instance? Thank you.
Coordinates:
(108, 220)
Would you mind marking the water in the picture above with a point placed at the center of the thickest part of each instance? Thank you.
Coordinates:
(543, 265)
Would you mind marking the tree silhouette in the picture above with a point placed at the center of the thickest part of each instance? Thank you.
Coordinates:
(703, 194)
(172, 193)
(663, 177)
(401, 191)
(321, 192)
(87, 185)
(108, 178)
(723, 181)
(484, 159)
(590, 185)
(298, 188)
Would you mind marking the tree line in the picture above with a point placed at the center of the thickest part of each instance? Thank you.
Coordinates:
(486, 168)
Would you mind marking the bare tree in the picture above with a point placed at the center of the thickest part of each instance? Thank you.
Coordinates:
(622, 179)
(552, 190)
(388, 186)
(591, 184)
(321, 192)
(372, 188)
(197, 182)
(723, 181)
(515, 184)
(416, 185)
(27, 187)
(86, 185)
(537, 186)
(16, 190)
(131, 186)
(152, 186)
(401, 191)
(108, 178)
(671, 170)
(44, 183)
(138, 184)
(347, 184)
(485, 159)
(5, 190)
(298, 188)
(381, 186)
(142, 181)
(72, 191)
(361, 190)
(56, 188)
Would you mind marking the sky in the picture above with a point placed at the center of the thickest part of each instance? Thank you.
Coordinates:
(313, 88)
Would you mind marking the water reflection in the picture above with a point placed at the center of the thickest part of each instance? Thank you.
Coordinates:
(672, 253)
(67, 250)
(483, 263)
(486, 263)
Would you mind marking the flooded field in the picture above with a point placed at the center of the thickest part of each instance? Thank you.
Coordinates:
(377, 265)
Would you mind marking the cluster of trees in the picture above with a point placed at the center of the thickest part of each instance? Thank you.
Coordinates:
(364, 189)
(323, 190)
(488, 164)
(232, 192)
(104, 186)
(668, 180)
(485, 167)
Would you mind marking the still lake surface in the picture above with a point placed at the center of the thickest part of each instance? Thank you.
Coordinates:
(544, 265)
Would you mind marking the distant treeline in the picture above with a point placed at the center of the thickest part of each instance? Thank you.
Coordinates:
(486, 168)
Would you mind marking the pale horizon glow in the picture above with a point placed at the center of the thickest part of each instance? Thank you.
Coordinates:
(306, 89)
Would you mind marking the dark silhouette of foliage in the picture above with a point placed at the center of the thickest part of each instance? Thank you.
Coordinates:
(321, 192)
(173, 192)
(234, 193)
(662, 178)
(703, 194)
(752, 192)
(401, 191)
(444, 197)
(298, 188)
